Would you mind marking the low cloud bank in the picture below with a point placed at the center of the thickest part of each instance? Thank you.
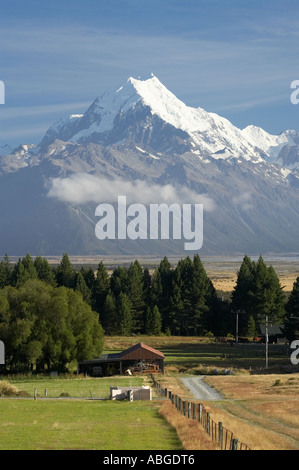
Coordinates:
(80, 188)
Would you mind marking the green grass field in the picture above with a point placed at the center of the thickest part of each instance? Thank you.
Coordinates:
(72, 386)
(80, 424)
(76, 422)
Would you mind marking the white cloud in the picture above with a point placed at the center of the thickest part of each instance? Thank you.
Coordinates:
(81, 188)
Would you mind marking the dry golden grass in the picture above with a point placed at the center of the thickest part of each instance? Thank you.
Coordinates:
(262, 410)
(190, 432)
(114, 343)
(7, 389)
(226, 281)
(245, 387)
(252, 427)
(176, 386)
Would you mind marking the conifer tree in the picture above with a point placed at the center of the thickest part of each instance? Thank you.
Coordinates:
(119, 281)
(89, 277)
(147, 287)
(242, 295)
(109, 317)
(183, 280)
(257, 293)
(251, 328)
(23, 271)
(162, 291)
(125, 315)
(176, 305)
(203, 299)
(44, 271)
(268, 294)
(65, 273)
(153, 321)
(29, 266)
(5, 272)
(100, 288)
(136, 295)
(80, 286)
(292, 308)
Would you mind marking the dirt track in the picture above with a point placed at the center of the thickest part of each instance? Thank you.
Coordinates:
(201, 390)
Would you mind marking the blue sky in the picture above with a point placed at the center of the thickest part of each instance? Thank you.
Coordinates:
(233, 57)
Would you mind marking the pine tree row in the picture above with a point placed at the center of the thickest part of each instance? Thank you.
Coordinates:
(178, 300)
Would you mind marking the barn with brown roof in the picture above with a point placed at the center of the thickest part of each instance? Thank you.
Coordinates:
(138, 359)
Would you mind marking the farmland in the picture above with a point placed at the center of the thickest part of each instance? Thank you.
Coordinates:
(83, 425)
(72, 412)
(69, 419)
(260, 408)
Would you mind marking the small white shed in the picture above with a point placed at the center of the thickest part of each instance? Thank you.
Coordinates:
(131, 393)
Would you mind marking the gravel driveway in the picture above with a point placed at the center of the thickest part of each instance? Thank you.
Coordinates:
(201, 390)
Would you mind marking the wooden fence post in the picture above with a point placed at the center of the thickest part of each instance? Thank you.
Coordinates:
(235, 444)
(208, 423)
(194, 410)
(35, 394)
(220, 435)
(200, 413)
(189, 409)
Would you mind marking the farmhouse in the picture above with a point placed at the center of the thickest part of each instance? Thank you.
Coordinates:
(137, 359)
(276, 334)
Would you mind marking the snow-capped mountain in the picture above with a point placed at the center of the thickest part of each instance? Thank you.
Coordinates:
(143, 140)
(206, 134)
(23, 156)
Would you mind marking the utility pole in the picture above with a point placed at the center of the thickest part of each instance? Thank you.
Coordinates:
(267, 343)
(237, 323)
(266, 323)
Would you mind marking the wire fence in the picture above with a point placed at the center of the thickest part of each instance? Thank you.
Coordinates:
(196, 411)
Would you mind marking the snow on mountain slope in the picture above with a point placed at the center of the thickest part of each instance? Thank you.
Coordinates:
(208, 130)
(209, 134)
(270, 144)
(144, 113)
(23, 156)
(140, 131)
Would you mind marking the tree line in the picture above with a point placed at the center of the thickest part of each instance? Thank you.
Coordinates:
(51, 315)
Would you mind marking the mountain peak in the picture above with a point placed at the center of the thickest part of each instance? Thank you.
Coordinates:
(140, 106)
(143, 79)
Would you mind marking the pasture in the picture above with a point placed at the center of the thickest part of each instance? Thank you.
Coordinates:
(83, 425)
(69, 419)
(72, 412)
